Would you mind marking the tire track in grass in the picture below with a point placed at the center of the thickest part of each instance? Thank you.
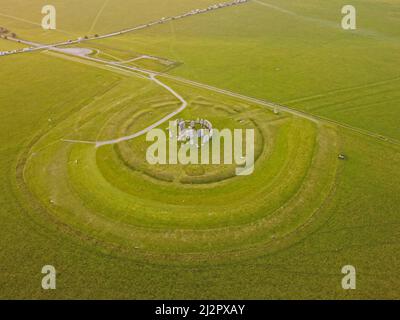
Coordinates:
(96, 19)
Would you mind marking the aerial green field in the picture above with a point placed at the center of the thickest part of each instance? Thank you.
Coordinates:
(115, 226)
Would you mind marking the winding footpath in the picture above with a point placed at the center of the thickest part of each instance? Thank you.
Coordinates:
(151, 76)
(154, 125)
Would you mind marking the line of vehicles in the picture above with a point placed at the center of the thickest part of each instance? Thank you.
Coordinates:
(5, 53)
(15, 51)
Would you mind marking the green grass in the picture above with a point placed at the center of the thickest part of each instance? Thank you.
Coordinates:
(77, 18)
(9, 45)
(117, 227)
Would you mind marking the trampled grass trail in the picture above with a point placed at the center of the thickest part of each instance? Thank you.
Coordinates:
(96, 19)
